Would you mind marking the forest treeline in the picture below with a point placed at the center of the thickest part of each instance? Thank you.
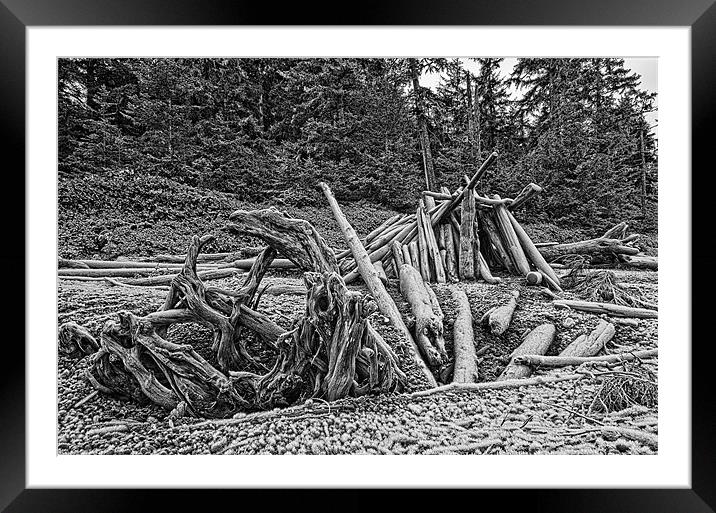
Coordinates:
(271, 129)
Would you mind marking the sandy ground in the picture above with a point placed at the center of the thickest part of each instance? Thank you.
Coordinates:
(542, 418)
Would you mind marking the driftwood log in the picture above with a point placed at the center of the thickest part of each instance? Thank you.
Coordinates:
(532, 252)
(590, 344)
(640, 262)
(499, 318)
(607, 308)
(537, 342)
(509, 238)
(587, 247)
(465, 369)
(467, 233)
(428, 324)
(535, 361)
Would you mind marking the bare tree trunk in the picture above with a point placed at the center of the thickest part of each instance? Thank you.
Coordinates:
(422, 126)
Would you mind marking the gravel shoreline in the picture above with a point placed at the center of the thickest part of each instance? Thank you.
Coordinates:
(539, 419)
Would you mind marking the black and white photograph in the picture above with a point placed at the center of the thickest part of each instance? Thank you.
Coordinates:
(337, 256)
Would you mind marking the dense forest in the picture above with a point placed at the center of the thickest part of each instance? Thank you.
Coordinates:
(268, 130)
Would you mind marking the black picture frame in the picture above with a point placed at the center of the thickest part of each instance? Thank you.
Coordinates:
(700, 15)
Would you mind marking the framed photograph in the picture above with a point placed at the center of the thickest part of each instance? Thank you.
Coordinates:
(257, 255)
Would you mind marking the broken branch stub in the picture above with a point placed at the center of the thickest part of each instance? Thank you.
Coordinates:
(296, 239)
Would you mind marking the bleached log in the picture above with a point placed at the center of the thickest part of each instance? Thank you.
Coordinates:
(607, 308)
(532, 252)
(381, 272)
(510, 239)
(466, 269)
(499, 318)
(587, 247)
(485, 272)
(536, 342)
(590, 344)
(428, 325)
(450, 260)
(535, 361)
(465, 370)
(529, 190)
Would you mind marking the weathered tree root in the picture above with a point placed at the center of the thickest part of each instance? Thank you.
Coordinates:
(331, 353)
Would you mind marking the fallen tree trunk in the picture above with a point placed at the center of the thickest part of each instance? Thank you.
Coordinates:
(466, 269)
(535, 361)
(640, 262)
(607, 308)
(498, 385)
(537, 341)
(428, 325)
(125, 264)
(367, 271)
(499, 318)
(465, 370)
(590, 344)
(164, 279)
(587, 247)
(127, 273)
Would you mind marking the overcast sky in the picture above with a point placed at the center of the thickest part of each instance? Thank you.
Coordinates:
(645, 67)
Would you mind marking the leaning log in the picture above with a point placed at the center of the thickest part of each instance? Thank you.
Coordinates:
(485, 272)
(532, 252)
(509, 238)
(499, 318)
(428, 325)
(529, 190)
(590, 344)
(406, 255)
(367, 271)
(536, 342)
(607, 308)
(616, 232)
(434, 252)
(450, 261)
(380, 271)
(467, 235)
(492, 232)
(423, 250)
(464, 340)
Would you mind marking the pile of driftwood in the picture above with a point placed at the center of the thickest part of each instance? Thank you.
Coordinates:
(613, 248)
(457, 236)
